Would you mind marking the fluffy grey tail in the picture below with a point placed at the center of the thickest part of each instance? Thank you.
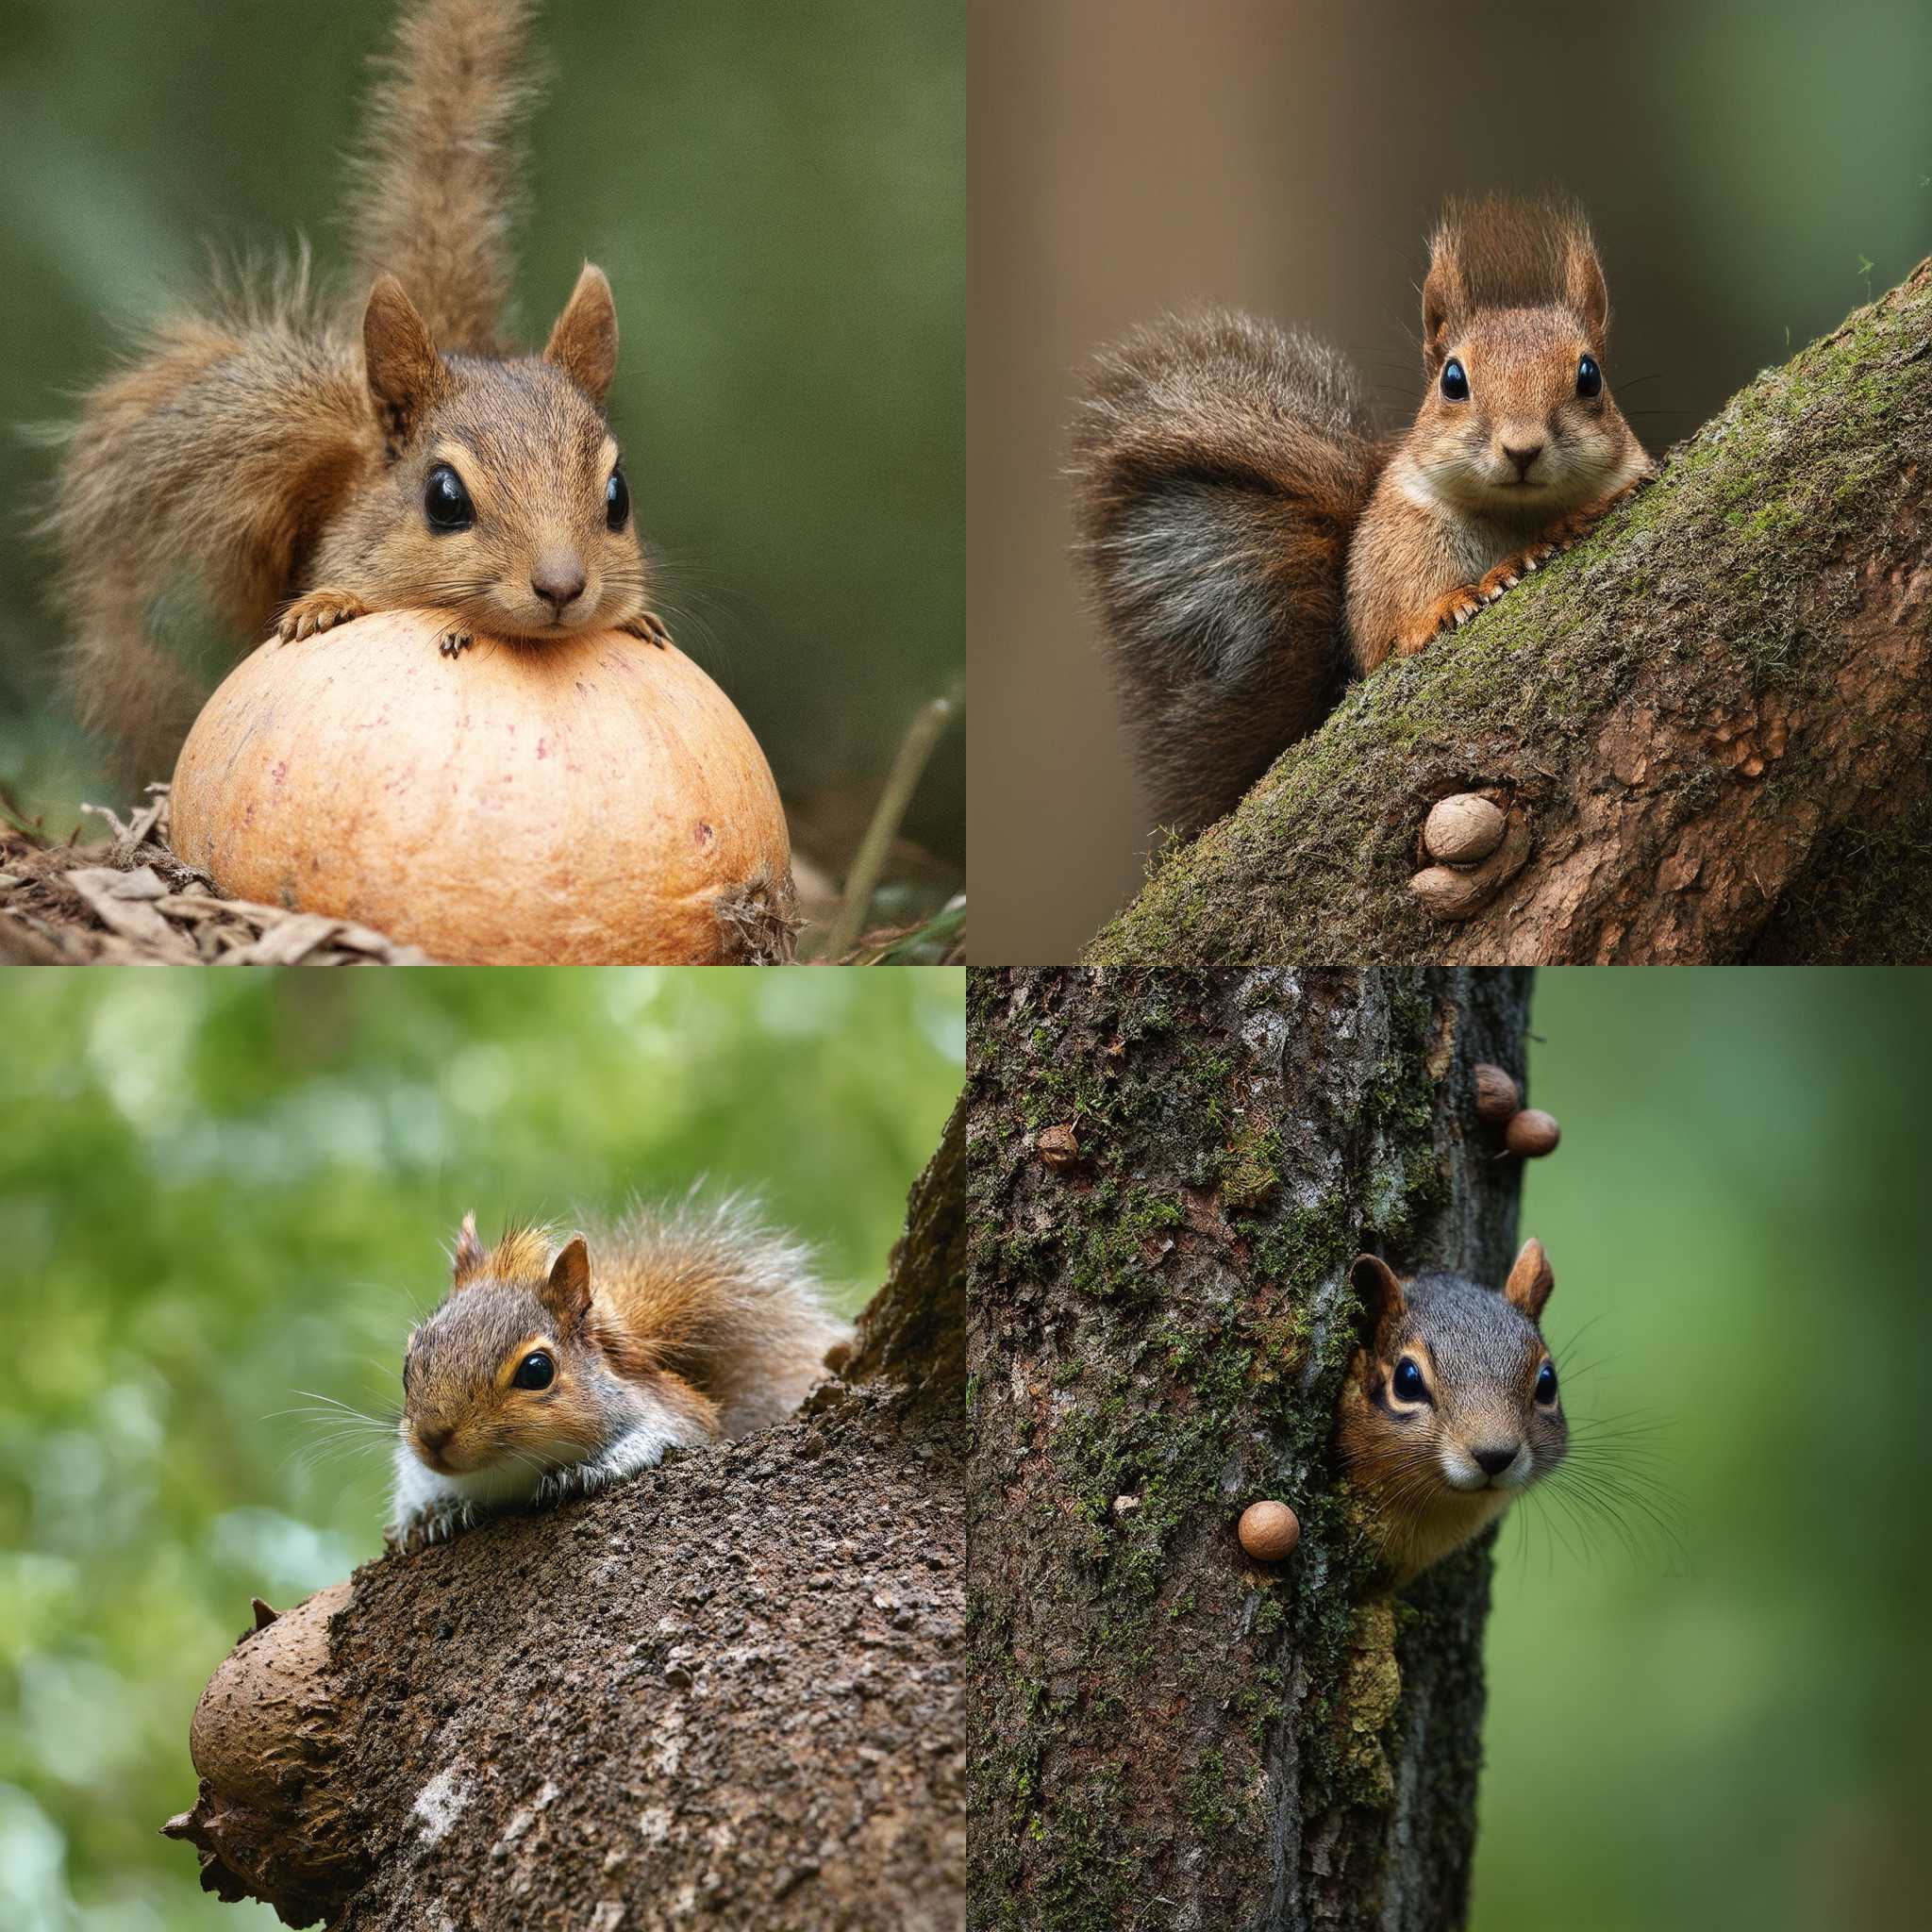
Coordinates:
(439, 186)
(1221, 466)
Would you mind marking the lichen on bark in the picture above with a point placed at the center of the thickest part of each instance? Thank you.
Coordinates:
(1162, 1733)
(1716, 711)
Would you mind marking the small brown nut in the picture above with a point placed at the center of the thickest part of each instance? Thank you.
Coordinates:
(1059, 1146)
(1462, 829)
(1498, 1098)
(1532, 1134)
(1268, 1531)
(1449, 892)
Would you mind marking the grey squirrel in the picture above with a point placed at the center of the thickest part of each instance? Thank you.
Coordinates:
(1452, 1407)
(312, 461)
(1251, 542)
(546, 1371)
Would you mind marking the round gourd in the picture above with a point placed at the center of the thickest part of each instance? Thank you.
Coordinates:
(594, 800)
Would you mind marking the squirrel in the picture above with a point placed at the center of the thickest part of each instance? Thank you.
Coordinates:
(1451, 1408)
(1251, 542)
(312, 461)
(543, 1374)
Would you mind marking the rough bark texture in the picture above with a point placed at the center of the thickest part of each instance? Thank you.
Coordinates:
(1716, 713)
(1169, 1175)
(728, 1691)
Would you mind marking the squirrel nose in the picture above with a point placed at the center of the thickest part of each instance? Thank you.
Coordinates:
(1493, 1462)
(559, 580)
(1523, 457)
(433, 1440)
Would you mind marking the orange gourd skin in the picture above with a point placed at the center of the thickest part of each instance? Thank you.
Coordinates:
(589, 801)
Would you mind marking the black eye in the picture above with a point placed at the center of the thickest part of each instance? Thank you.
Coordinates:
(617, 500)
(1408, 1383)
(1455, 383)
(1590, 378)
(535, 1371)
(1546, 1383)
(445, 502)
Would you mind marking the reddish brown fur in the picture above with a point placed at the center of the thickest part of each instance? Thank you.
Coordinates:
(276, 448)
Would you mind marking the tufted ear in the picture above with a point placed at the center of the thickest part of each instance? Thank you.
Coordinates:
(1530, 1280)
(584, 343)
(1584, 290)
(567, 1293)
(1444, 301)
(1383, 1307)
(469, 1259)
(406, 375)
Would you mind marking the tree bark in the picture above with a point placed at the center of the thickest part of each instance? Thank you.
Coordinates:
(1171, 1174)
(728, 1690)
(1715, 715)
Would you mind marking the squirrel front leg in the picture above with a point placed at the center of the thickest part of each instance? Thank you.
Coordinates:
(317, 612)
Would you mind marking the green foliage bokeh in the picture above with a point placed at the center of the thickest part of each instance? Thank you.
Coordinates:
(218, 1192)
(1724, 1727)
(779, 195)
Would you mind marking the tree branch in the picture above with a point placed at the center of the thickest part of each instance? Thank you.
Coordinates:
(1715, 715)
(731, 1685)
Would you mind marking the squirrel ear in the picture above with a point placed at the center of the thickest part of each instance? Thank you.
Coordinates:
(1382, 1304)
(567, 1293)
(1443, 302)
(584, 343)
(1584, 290)
(469, 1259)
(405, 373)
(1530, 1280)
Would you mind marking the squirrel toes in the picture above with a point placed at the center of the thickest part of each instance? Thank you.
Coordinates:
(308, 462)
(1250, 543)
(546, 1370)
(1450, 1409)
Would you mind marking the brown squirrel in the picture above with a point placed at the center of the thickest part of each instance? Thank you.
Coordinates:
(545, 1373)
(1250, 542)
(311, 460)
(1450, 1409)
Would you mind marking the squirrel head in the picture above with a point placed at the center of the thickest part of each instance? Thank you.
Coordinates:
(504, 498)
(1453, 1408)
(511, 1374)
(1517, 421)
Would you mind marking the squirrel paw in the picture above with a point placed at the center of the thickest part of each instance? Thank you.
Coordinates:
(649, 626)
(453, 644)
(311, 615)
(1512, 570)
(1449, 612)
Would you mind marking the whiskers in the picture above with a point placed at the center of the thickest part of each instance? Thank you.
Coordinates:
(337, 1432)
(1612, 1489)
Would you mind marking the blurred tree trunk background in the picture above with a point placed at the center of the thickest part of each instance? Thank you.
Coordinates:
(1171, 1175)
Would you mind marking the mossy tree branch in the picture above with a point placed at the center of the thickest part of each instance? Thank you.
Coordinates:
(1716, 714)
(1170, 1176)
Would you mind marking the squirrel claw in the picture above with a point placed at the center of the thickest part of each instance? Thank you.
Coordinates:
(649, 626)
(452, 643)
(312, 615)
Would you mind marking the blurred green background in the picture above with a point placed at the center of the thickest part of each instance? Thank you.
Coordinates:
(1733, 1734)
(779, 194)
(218, 1191)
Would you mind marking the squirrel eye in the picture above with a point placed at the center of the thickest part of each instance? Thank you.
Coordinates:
(1546, 1383)
(1455, 383)
(1407, 1382)
(1590, 378)
(535, 1371)
(617, 500)
(445, 502)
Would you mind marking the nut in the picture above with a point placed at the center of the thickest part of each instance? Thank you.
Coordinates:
(1268, 1531)
(1059, 1146)
(1448, 893)
(1498, 1098)
(1532, 1134)
(1462, 829)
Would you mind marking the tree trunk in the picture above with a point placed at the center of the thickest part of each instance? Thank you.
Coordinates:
(1171, 1174)
(728, 1690)
(1714, 715)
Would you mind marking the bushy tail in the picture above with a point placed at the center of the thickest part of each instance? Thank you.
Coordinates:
(1221, 467)
(439, 186)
